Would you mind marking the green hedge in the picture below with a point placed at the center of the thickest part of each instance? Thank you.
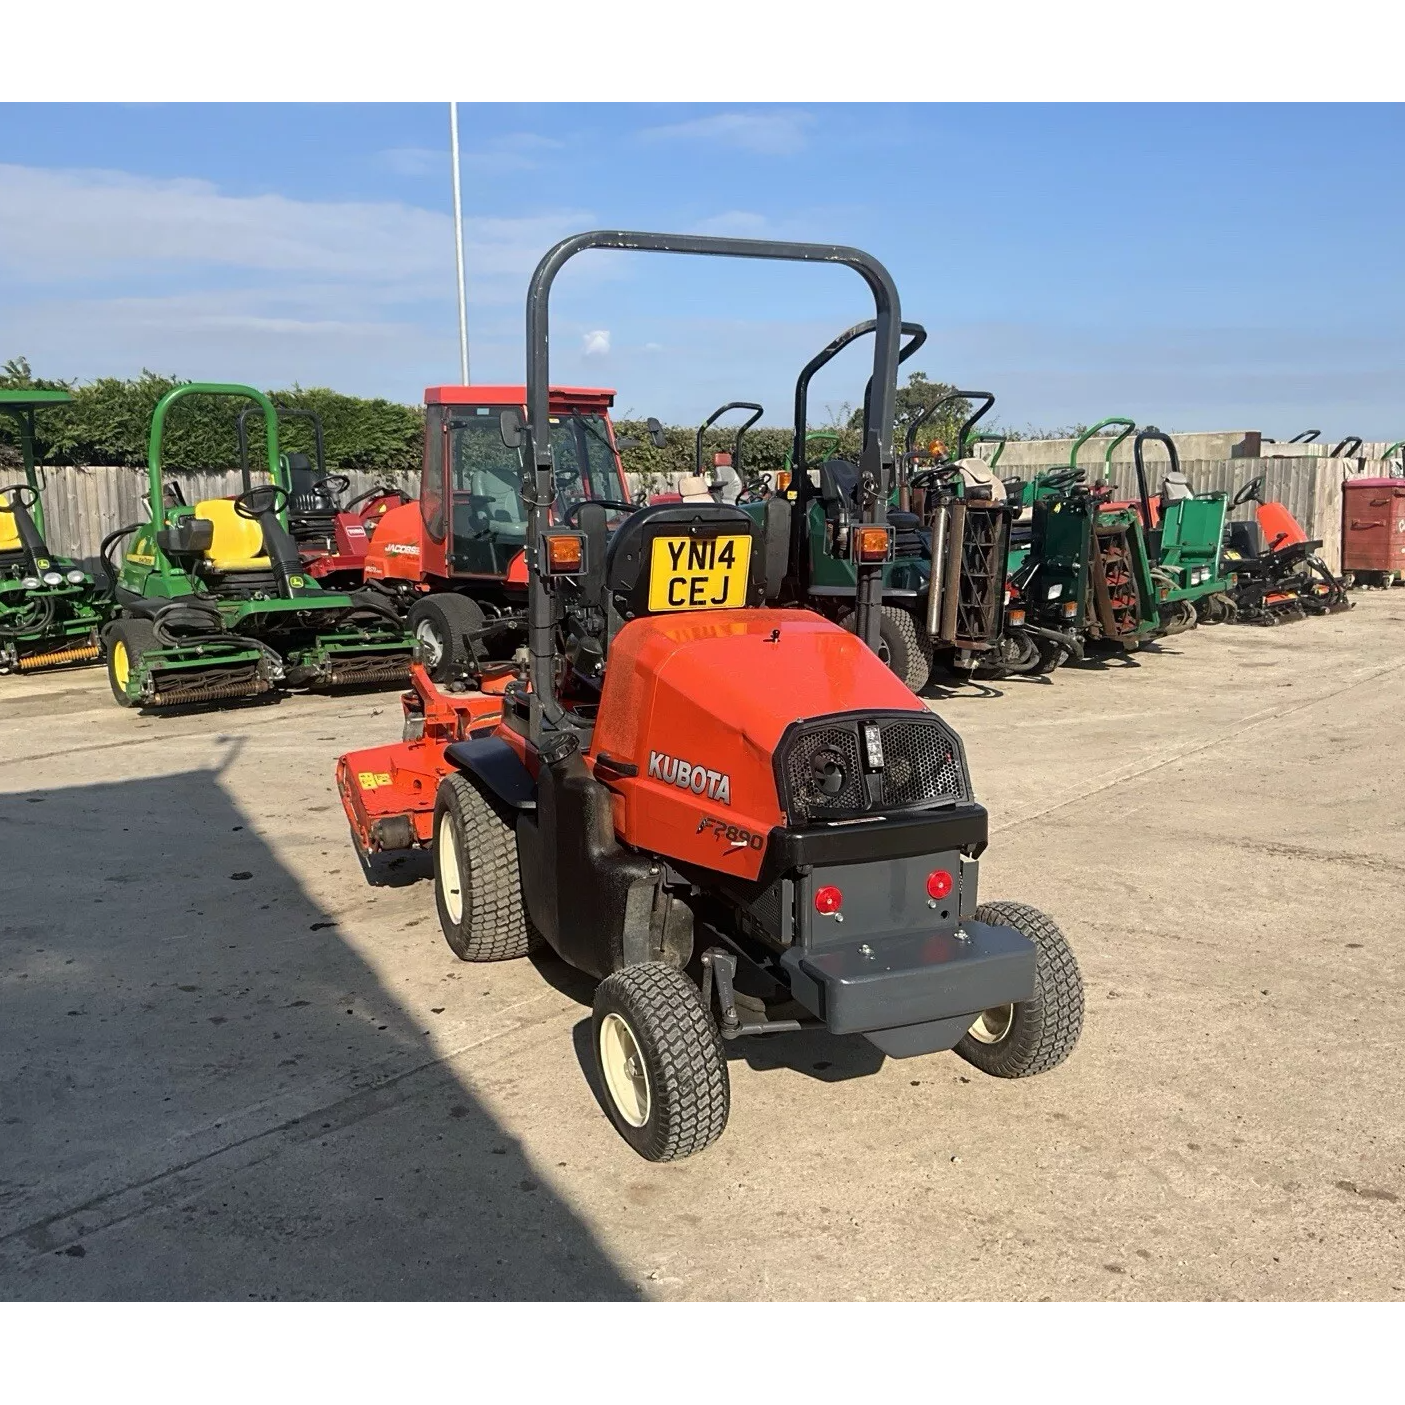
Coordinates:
(110, 420)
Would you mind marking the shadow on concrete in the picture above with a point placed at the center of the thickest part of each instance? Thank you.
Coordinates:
(208, 1094)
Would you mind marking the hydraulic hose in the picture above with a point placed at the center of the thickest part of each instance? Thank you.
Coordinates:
(38, 614)
(105, 562)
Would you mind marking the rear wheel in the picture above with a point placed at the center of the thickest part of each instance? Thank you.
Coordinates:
(902, 644)
(439, 624)
(660, 1061)
(1034, 1035)
(477, 888)
(127, 641)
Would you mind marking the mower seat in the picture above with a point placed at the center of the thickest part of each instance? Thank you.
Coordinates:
(238, 542)
(1175, 487)
(979, 482)
(9, 533)
(693, 487)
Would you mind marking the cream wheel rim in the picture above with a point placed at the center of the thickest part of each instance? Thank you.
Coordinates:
(992, 1026)
(450, 883)
(625, 1076)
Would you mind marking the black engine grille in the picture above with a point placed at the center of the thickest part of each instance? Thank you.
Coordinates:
(822, 769)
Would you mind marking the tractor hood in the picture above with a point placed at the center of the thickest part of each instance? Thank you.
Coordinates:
(711, 725)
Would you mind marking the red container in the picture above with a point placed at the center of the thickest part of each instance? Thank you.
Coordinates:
(1373, 525)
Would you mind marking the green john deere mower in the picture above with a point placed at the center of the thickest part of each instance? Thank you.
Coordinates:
(51, 612)
(216, 604)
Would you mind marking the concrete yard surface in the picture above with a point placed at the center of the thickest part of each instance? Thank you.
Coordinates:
(230, 1067)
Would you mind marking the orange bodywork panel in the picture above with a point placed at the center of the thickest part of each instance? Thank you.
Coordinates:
(698, 702)
(396, 552)
(1279, 526)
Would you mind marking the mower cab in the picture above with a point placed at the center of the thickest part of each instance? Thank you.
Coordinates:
(216, 604)
(455, 561)
(1184, 533)
(51, 612)
(733, 816)
(331, 535)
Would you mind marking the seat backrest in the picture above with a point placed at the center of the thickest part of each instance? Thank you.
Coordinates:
(9, 532)
(238, 541)
(1175, 487)
(979, 481)
(693, 487)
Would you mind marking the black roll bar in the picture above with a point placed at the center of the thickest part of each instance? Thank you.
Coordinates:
(757, 412)
(876, 460)
(1143, 435)
(284, 412)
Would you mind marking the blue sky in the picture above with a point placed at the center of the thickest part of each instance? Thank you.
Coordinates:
(1197, 267)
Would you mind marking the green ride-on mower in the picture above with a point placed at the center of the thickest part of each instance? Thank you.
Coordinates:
(216, 604)
(51, 612)
(733, 817)
(1184, 533)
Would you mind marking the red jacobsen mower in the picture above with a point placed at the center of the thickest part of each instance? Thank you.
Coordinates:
(455, 561)
(1278, 575)
(331, 536)
(733, 816)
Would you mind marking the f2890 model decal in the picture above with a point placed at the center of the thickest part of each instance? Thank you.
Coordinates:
(716, 785)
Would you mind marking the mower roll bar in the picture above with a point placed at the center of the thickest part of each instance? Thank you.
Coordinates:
(158, 425)
(1151, 433)
(534, 437)
(757, 412)
(1128, 427)
(20, 405)
(1306, 437)
(1386, 453)
(1342, 451)
(913, 330)
(288, 413)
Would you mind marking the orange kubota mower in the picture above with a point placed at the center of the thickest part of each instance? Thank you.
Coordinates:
(733, 816)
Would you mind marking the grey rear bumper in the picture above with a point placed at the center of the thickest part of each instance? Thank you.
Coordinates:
(917, 992)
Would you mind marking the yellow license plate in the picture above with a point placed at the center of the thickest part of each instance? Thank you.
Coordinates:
(699, 573)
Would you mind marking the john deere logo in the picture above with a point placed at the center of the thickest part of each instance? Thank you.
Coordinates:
(296, 581)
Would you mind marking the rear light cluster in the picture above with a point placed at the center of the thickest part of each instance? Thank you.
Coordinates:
(830, 898)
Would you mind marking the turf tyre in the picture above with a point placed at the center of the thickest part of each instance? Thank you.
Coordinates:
(676, 1041)
(477, 885)
(903, 644)
(439, 623)
(1044, 1029)
(127, 641)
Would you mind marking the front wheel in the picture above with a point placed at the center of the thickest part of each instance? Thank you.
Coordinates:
(660, 1061)
(1031, 1036)
(441, 624)
(127, 641)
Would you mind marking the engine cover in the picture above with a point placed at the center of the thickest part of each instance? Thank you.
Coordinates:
(697, 705)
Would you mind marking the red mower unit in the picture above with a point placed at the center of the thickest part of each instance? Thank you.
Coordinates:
(331, 536)
(455, 560)
(734, 817)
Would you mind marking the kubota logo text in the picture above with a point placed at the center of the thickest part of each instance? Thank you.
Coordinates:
(714, 784)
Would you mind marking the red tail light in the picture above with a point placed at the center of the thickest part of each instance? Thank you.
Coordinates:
(939, 884)
(828, 900)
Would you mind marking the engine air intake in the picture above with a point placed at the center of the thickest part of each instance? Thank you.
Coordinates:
(829, 768)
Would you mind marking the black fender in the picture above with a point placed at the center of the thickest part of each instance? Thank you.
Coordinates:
(493, 765)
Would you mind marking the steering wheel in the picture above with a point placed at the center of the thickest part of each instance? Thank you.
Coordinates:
(1249, 492)
(268, 497)
(572, 512)
(935, 476)
(1064, 477)
(754, 490)
(379, 491)
(21, 494)
(338, 483)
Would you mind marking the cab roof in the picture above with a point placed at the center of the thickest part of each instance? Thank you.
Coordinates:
(561, 395)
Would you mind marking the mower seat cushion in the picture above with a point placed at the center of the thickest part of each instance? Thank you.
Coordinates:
(238, 542)
(9, 533)
(693, 487)
(1176, 488)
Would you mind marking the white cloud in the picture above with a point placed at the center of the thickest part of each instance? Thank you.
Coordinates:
(98, 224)
(414, 160)
(597, 343)
(768, 132)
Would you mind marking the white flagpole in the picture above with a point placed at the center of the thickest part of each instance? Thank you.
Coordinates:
(458, 240)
